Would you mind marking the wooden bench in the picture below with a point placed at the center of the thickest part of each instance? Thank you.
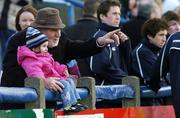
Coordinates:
(34, 95)
(163, 92)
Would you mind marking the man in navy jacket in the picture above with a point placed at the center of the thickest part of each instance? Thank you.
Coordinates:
(84, 30)
(110, 66)
(168, 61)
(145, 54)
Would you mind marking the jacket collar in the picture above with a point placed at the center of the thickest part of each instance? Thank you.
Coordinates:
(152, 47)
(88, 17)
(106, 27)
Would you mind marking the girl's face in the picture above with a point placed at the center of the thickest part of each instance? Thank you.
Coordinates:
(25, 19)
(43, 48)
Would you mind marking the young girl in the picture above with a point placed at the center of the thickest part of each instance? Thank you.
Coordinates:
(37, 62)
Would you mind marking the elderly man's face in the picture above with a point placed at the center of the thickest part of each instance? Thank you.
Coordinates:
(53, 36)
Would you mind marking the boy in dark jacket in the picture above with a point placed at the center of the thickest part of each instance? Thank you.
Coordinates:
(168, 61)
(154, 33)
(145, 54)
(109, 66)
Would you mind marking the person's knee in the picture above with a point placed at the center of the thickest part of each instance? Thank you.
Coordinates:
(65, 83)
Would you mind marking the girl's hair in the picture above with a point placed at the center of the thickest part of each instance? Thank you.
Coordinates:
(27, 8)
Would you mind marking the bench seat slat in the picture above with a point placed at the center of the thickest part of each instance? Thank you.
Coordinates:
(164, 91)
(17, 94)
(112, 92)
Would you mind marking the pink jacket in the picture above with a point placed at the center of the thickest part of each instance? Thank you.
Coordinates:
(40, 64)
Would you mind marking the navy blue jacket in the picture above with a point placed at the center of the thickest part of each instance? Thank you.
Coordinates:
(111, 64)
(143, 58)
(169, 61)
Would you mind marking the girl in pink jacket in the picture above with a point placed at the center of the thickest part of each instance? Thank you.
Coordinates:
(37, 62)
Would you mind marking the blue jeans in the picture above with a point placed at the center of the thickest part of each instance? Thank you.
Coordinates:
(69, 96)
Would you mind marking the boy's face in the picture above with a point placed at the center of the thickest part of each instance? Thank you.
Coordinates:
(43, 48)
(174, 26)
(159, 39)
(112, 18)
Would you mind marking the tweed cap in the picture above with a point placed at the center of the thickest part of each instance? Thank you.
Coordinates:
(34, 37)
(48, 18)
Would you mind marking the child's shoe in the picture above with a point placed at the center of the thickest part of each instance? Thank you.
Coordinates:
(75, 108)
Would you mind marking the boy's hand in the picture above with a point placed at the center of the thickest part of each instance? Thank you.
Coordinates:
(123, 37)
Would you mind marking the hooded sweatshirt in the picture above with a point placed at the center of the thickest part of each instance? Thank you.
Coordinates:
(40, 64)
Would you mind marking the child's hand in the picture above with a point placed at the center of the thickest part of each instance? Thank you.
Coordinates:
(73, 76)
(66, 73)
(53, 84)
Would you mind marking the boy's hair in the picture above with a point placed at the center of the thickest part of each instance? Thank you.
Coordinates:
(34, 37)
(153, 26)
(170, 15)
(105, 6)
